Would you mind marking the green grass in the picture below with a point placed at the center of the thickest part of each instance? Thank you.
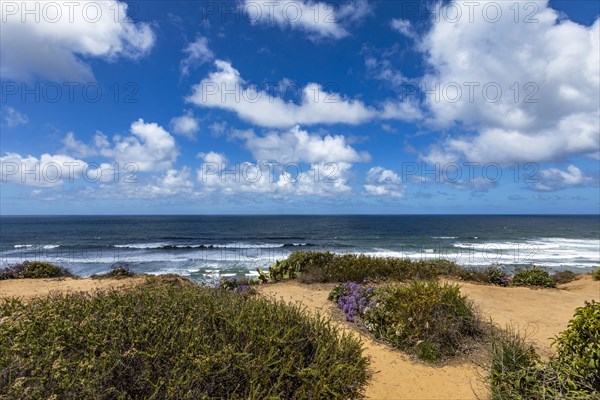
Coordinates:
(168, 338)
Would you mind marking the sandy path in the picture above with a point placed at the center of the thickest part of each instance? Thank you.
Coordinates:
(28, 288)
(538, 313)
(396, 376)
(543, 312)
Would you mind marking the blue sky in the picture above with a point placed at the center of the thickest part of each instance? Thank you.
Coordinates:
(175, 107)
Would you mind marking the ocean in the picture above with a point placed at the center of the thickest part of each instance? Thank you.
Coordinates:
(209, 247)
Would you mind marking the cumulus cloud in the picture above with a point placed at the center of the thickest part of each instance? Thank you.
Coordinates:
(218, 176)
(185, 125)
(46, 171)
(56, 37)
(150, 147)
(12, 117)
(76, 147)
(319, 20)
(384, 182)
(297, 145)
(198, 53)
(528, 91)
(555, 179)
(225, 89)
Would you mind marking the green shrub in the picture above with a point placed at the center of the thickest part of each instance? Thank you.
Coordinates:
(472, 275)
(533, 277)
(596, 274)
(329, 267)
(427, 318)
(516, 371)
(578, 347)
(497, 276)
(176, 341)
(119, 272)
(300, 261)
(493, 275)
(564, 277)
(238, 285)
(34, 270)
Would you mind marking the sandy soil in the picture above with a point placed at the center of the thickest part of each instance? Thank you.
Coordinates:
(28, 288)
(543, 313)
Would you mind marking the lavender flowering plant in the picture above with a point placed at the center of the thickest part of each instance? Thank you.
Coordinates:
(353, 299)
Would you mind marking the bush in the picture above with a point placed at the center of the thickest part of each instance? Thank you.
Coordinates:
(497, 276)
(429, 319)
(300, 261)
(533, 277)
(238, 285)
(596, 274)
(516, 371)
(578, 347)
(314, 267)
(119, 272)
(34, 270)
(564, 277)
(177, 341)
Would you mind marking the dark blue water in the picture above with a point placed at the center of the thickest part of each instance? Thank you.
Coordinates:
(208, 246)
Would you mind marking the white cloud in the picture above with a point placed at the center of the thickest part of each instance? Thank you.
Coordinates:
(384, 182)
(555, 179)
(553, 62)
(198, 53)
(185, 125)
(150, 147)
(13, 118)
(218, 128)
(318, 20)
(403, 26)
(225, 89)
(405, 110)
(217, 176)
(77, 148)
(354, 11)
(65, 35)
(297, 145)
(46, 171)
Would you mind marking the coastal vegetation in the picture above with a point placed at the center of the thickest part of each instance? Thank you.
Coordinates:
(434, 321)
(117, 272)
(327, 267)
(34, 269)
(517, 372)
(169, 338)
